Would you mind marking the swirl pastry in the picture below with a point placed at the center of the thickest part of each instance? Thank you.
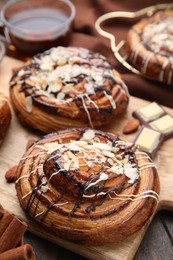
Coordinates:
(5, 116)
(87, 186)
(149, 44)
(68, 87)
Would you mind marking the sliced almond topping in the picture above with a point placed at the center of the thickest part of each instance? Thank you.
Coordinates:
(103, 146)
(74, 159)
(47, 66)
(62, 62)
(110, 161)
(67, 165)
(61, 96)
(74, 147)
(90, 164)
(44, 188)
(108, 154)
(88, 135)
(49, 145)
(131, 173)
(117, 169)
(68, 88)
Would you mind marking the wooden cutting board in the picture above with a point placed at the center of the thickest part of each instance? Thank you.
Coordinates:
(13, 148)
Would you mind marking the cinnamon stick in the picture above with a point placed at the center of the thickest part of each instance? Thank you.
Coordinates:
(24, 252)
(13, 233)
(5, 221)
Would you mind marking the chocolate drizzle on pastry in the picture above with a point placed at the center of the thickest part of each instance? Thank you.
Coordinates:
(78, 180)
(149, 44)
(73, 83)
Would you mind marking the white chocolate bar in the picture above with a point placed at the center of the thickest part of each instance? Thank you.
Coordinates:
(150, 112)
(163, 124)
(148, 140)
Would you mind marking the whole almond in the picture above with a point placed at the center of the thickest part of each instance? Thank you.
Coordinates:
(11, 174)
(131, 126)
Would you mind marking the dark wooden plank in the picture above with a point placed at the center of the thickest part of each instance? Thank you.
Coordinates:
(156, 243)
(166, 218)
(46, 250)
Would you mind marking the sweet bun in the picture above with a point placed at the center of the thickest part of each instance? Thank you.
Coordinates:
(68, 87)
(149, 46)
(87, 186)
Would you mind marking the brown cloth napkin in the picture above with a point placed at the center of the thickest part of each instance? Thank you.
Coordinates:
(85, 35)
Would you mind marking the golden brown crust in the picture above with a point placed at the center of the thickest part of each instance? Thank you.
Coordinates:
(5, 116)
(68, 87)
(87, 186)
(149, 45)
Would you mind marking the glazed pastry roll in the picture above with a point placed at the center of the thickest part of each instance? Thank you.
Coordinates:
(68, 87)
(87, 186)
(150, 49)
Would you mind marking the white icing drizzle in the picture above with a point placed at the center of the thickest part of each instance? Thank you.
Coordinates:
(110, 99)
(144, 155)
(145, 166)
(60, 204)
(134, 54)
(36, 168)
(146, 61)
(161, 76)
(31, 156)
(87, 112)
(55, 205)
(21, 177)
(26, 195)
(55, 173)
(53, 156)
(26, 164)
(91, 101)
(93, 195)
(102, 177)
(39, 214)
(132, 197)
